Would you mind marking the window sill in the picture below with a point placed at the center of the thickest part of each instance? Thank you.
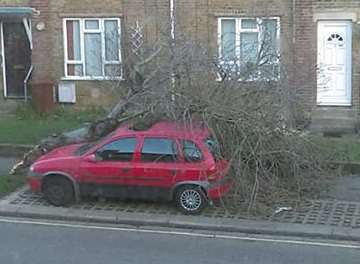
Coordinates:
(251, 80)
(76, 78)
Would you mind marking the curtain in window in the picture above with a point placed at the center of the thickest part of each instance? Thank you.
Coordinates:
(73, 47)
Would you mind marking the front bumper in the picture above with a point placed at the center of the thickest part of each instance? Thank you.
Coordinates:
(34, 181)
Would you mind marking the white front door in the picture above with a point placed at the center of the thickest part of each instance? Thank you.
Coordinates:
(334, 63)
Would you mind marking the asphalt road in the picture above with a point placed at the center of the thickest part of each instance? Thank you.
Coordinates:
(44, 244)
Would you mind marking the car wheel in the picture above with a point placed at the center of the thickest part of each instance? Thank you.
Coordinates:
(190, 200)
(58, 191)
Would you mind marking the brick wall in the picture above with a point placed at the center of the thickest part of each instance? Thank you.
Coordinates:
(305, 54)
(196, 19)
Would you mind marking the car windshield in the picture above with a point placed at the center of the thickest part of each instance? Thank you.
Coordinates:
(87, 146)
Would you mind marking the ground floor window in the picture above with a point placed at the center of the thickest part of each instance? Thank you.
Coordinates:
(249, 46)
(92, 48)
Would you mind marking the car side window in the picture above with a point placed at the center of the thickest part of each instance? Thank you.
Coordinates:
(159, 150)
(118, 150)
(191, 152)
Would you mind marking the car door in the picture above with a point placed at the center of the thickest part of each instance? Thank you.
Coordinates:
(108, 174)
(156, 167)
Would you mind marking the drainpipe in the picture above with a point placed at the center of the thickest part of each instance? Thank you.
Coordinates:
(172, 35)
(294, 20)
(172, 19)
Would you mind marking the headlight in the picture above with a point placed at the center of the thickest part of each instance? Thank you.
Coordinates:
(32, 168)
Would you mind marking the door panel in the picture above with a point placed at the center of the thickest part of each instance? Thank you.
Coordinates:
(334, 63)
(105, 177)
(110, 175)
(17, 54)
(157, 167)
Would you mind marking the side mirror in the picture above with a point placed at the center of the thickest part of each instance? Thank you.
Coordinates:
(91, 158)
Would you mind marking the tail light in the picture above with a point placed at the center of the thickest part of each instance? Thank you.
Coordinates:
(212, 174)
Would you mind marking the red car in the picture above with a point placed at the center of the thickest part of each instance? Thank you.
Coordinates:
(169, 161)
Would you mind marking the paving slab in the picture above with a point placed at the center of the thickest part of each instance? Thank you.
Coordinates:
(317, 218)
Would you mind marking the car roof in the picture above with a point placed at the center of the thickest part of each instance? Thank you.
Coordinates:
(167, 129)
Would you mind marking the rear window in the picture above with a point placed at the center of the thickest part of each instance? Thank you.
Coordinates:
(191, 152)
(159, 150)
(214, 147)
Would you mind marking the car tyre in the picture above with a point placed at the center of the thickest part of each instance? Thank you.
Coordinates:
(190, 200)
(58, 191)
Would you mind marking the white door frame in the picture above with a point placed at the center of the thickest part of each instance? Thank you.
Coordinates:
(348, 65)
(3, 61)
(27, 25)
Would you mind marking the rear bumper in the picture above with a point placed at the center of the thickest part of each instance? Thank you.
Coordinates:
(219, 189)
(34, 183)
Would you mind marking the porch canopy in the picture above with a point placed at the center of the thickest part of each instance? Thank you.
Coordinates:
(21, 14)
(15, 12)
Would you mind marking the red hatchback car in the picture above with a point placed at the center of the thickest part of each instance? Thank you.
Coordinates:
(167, 161)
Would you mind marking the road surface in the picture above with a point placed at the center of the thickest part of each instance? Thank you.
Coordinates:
(23, 241)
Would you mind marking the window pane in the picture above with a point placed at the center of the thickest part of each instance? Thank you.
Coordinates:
(111, 40)
(191, 152)
(93, 60)
(269, 35)
(228, 39)
(248, 24)
(214, 147)
(75, 70)
(159, 150)
(249, 47)
(73, 40)
(91, 24)
(119, 150)
(113, 70)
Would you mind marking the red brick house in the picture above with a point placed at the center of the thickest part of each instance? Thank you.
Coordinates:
(76, 47)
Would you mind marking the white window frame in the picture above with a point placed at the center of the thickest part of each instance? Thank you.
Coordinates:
(239, 30)
(101, 30)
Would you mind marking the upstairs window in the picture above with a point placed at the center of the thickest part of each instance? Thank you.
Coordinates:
(249, 47)
(92, 48)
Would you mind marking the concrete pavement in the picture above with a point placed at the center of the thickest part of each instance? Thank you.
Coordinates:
(327, 217)
(24, 203)
(43, 243)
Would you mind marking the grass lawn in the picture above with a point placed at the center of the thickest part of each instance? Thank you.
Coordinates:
(340, 149)
(26, 127)
(10, 183)
(17, 131)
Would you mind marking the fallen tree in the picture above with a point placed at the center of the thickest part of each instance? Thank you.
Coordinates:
(271, 162)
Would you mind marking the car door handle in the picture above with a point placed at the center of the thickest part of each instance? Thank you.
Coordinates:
(173, 172)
